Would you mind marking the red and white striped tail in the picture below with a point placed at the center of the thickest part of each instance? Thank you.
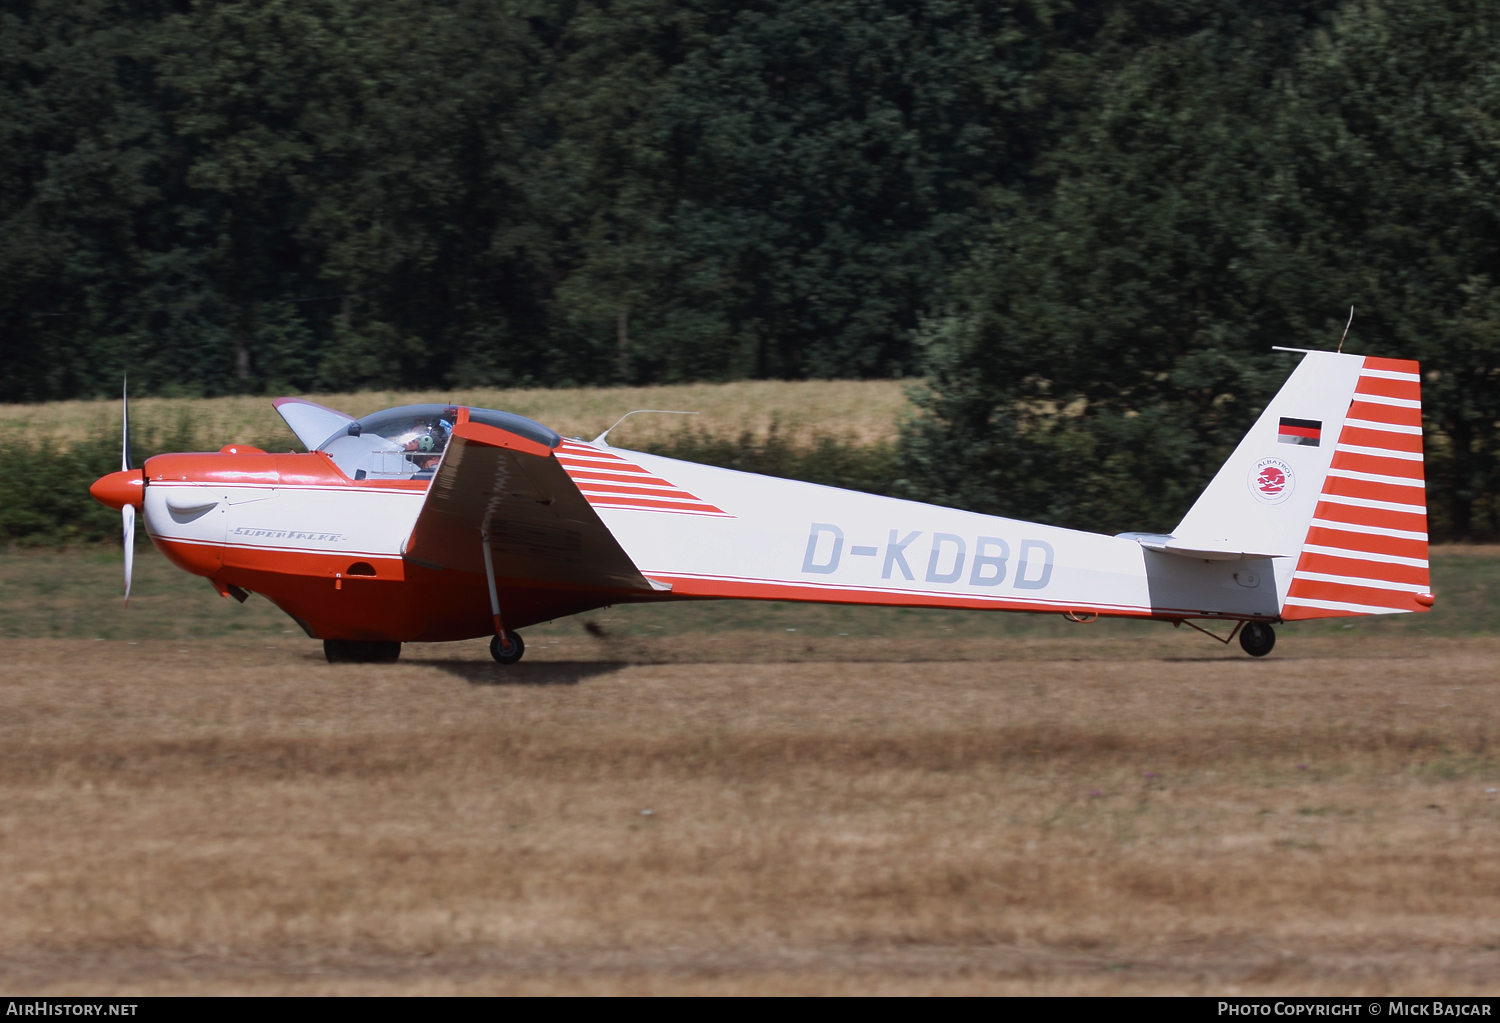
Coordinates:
(1366, 551)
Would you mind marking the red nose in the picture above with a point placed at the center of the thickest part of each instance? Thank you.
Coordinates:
(118, 489)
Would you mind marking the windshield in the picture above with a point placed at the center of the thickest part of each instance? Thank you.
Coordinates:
(398, 443)
(408, 442)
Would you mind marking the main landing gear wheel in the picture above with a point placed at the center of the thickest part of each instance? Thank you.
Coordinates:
(1257, 638)
(508, 652)
(355, 651)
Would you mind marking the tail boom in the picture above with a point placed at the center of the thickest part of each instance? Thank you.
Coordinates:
(1294, 525)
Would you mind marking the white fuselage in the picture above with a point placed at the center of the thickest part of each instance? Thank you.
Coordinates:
(765, 538)
(252, 522)
(793, 540)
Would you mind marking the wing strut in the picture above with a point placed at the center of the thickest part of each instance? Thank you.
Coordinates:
(494, 594)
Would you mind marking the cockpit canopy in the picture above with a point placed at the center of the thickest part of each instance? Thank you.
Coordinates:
(408, 442)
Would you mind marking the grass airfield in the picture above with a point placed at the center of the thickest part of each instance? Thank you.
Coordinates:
(841, 800)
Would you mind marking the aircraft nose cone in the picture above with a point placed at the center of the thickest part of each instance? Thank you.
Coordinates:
(118, 489)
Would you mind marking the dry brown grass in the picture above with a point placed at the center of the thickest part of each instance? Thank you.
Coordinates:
(1043, 818)
(866, 410)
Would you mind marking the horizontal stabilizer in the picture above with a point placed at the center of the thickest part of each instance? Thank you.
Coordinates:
(1164, 543)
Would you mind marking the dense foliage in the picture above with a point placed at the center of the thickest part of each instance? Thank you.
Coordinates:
(1085, 222)
(327, 194)
(1231, 182)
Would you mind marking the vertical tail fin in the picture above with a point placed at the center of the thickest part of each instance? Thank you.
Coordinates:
(1366, 547)
(1331, 473)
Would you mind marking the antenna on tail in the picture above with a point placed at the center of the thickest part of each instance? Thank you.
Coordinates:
(1346, 330)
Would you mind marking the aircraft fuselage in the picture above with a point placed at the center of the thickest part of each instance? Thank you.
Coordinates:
(329, 550)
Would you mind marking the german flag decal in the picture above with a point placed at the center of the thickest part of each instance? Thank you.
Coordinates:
(1300, 431)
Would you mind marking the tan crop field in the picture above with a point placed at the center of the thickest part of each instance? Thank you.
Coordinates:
(864, 411)
(743, 798)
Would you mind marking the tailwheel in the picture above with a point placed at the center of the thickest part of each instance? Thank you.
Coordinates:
(356, 651)
(507, 650)
(1257, 638)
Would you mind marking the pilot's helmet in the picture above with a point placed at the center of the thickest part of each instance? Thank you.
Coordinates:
(429, 435)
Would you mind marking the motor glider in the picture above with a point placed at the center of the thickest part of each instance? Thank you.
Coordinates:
(430, 523)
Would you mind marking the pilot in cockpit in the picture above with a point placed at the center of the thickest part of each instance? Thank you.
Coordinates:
(425, 442)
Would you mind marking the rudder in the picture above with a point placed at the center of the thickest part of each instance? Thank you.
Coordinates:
(1366, 546)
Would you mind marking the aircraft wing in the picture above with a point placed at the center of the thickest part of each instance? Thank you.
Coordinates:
(541, 529)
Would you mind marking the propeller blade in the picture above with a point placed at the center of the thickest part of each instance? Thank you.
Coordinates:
(127, 515)
(125, 425)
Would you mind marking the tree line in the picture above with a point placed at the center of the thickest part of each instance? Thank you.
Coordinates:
(1083, 223)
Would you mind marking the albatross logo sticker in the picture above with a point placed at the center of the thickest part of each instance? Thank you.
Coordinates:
(1272, 481)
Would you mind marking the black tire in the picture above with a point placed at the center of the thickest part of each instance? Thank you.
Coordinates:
(1257, 638)
(356, 651)
(509, 653)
